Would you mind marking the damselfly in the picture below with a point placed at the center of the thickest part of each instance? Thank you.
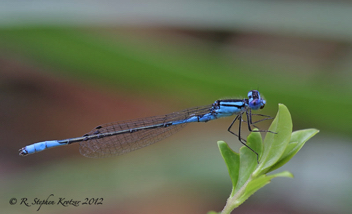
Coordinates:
(125, 136)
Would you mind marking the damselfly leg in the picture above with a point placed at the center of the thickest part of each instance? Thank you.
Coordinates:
(249, 122)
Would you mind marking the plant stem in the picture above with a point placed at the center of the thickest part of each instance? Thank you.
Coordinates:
(231, 202)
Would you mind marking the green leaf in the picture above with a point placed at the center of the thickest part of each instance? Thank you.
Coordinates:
(248, 159)
(275, 144)
(298, 139)
(259, 182)
(232, 161)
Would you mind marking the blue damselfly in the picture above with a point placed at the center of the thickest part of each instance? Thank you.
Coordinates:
(125, 136)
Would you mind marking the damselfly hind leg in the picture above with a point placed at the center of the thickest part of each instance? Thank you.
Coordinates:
(243, 141)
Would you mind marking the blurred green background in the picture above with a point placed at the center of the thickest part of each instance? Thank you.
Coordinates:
(68, 66)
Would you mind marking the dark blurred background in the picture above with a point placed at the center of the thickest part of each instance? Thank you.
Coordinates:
(68, 66)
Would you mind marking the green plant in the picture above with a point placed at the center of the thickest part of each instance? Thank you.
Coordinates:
(246, 174)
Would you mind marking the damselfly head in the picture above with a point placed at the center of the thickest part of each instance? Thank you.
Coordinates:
(255, 101)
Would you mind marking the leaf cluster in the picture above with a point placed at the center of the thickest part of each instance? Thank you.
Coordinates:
(246, 174)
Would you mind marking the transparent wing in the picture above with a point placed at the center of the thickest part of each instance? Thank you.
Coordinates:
(126, 142)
